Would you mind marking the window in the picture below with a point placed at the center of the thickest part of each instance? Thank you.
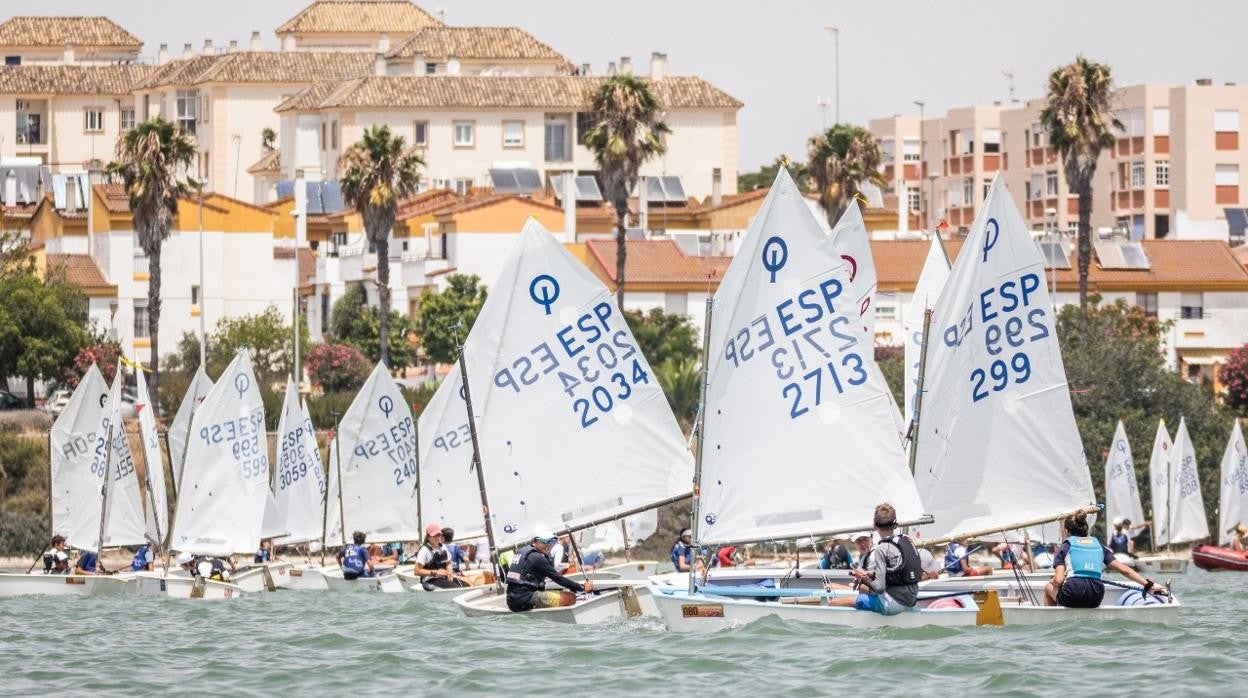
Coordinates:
(324, 139)
(1050, 183)
(968, 191)
(1161, 173)
(1147, 303)
(431, 68)
(1161, 121)
(992, 140)
(1226, 121)
(1226, 175)
(1192, 306)
(205, 108)
(325, 313)
(1039, 138)
(142, 324)
(147, 107)
(913, 199)
(195, 294)
(462, 185)
(93, 120)
(420, 134)
(885, 312)
(464, 134)
(557, 148)
(12, 60)
(140, 259)
(910, 150)
(187, 109)
(1036, 187)
(513, 134)
(1137, 175)
(1134, 122)
(127, 120)
(888, 151)
(333, 135)
(204, 164)
(967, 137)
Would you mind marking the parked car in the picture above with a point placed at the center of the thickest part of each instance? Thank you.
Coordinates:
(9, 401)
(56, 402)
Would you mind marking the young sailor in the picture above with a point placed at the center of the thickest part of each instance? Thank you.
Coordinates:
(144, 557)
(526, 578)
(1086, 558)
(433, 562)
(1121, 541)
(265, 553)
(209, 567)
(354, 558)
(958, 564)
(682, 551)
(836, 557)
(1239, 535)
(55, 560)
(89, 563)
(889, 582)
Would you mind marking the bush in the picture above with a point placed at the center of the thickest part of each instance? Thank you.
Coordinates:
(22, 533)
(337, 367)
(24, 469)
(105, 355)
(1234, 377)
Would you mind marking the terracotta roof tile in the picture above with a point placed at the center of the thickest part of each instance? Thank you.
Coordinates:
(81, 270)
(426, 202)
(502, 43)
(453, 91)
(114, 197)
(270, 162)
(359, 16)
(71, 79)
(59, 31)
(261, 66)
(658, 261)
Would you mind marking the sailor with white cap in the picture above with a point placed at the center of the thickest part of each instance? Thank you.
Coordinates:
(526, 578)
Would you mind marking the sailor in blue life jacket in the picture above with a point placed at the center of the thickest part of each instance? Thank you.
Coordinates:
(265, 553)
(143, 558)
(56, 560)
(89, 563)
(1085, 558)
(888, 582)
(530, 568)
(433, 562)
(1123, 539)
(682, 551)
(836, 557)
(354, 558)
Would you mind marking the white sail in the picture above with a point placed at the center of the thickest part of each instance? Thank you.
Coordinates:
(75, 486)
(271, 525)
(449, 492)
(300, 483)
(575, 427)
(126, 524)
(1159, 481)
(800, 432)
(1187, 506)
(226, 476)
(157, 503)
(1122, 493)
(998, 442)
(1233, 504)
(610, 537)
(181, 425)
(376, 440)
(926, 292)
(853, 242)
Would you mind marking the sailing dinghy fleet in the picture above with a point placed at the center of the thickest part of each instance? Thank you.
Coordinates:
(552, 420)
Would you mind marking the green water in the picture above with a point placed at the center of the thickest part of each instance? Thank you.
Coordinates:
(336, 644)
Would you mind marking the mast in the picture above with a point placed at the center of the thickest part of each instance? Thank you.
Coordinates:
(694, 514)
(151, 497)
(342, 514)
(420, 519)
(476, 464)
(325, 496)
(913, 436)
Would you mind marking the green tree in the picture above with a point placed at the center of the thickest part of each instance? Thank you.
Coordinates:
(1079, 119)
(43, 324)
(149, 159)
(840, 159)
(377, 172)
(626, 129)
(664, 337)
(267, 338)
(763, 178)
(444, 319)
(353, 322)
(682, 384)
(268, 139)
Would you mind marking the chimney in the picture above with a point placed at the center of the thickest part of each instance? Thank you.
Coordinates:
(569, 207)
(162, 56)
(208, 50)
(1204, 82)
(255, 41)
(233, 45)
(626, 65)
(383, 43)
(71, 194)
(379, 65)
(69, 53)
(611, 69)
(658, 65)
(10, 189)
(584, 69)
(288, 41)
(717, 186)
(187, 51)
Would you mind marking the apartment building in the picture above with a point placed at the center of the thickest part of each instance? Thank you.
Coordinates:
(968, 144)
(58, 40)
(901, 143)
(372, 26)
(1209, 154)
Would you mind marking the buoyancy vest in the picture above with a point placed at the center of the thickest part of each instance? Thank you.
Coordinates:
(910, 571)
(523, 572)
(953, 559)
(218, 572)
(139, 563)
(438, 557)
(1086, 557)
(263, 555)
(354, 559)
(1119, 543)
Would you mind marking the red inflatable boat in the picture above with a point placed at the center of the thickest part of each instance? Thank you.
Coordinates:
(1208, 557)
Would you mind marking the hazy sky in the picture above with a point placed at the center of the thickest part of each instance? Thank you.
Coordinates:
(777, 57)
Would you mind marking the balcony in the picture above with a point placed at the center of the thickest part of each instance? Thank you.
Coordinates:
(31, 123)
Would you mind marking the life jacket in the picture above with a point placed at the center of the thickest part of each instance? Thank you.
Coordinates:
(263, 555)
(49, 561)
(679, 550)
(139, 563)
(1086, 557)
(457, 557)
(88, 561)
(1119, 543)
(837, 558)
(910, 571)
(354, 559)
(953, 559)
(523, 571)
(217, 572)
(437, 558)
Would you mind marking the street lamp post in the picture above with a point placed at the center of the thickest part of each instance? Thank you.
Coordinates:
(836, 67)
(923, 205)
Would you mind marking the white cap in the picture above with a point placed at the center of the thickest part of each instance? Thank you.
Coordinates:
(860, 534)
(1118, 520)
(184, 558)
(541, 532)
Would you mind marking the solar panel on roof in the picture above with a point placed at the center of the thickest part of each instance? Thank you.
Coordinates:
(285, 188)
(654, 190)
(1055, 256)
(1237, 224)
(504, 181)
(331, 197)
(674, 189)
(1121, 255)
(528, 180)
(1134, 256)
(314, 206)
(1109, 256)
(587, 189)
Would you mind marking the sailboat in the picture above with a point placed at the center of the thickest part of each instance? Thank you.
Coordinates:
(574, 429)
(798, 435)
(998, 448)
(179, 429)
(300, 487)
(75, 493)
(372, 472)
(223, 486)
(1232, 509)
(931, 280)
(1122, 500)
(1186, 504)
(153, 464)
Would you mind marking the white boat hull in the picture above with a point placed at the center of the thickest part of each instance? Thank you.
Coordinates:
(637, 570)
(307, 578)
(600, 607)
(1159, 565)
(1017, 607)
(252, 579)
(17, 584)
(704, 613)
(334, 581)
(180, 587)
(411, 582)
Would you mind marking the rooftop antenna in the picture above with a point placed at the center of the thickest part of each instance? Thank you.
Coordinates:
(1009, 79)
(441, 14)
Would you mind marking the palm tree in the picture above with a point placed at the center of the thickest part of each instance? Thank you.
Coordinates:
(152, 161)
(841, 158)
(626, 130)
(1080, 121)
(377, 172)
